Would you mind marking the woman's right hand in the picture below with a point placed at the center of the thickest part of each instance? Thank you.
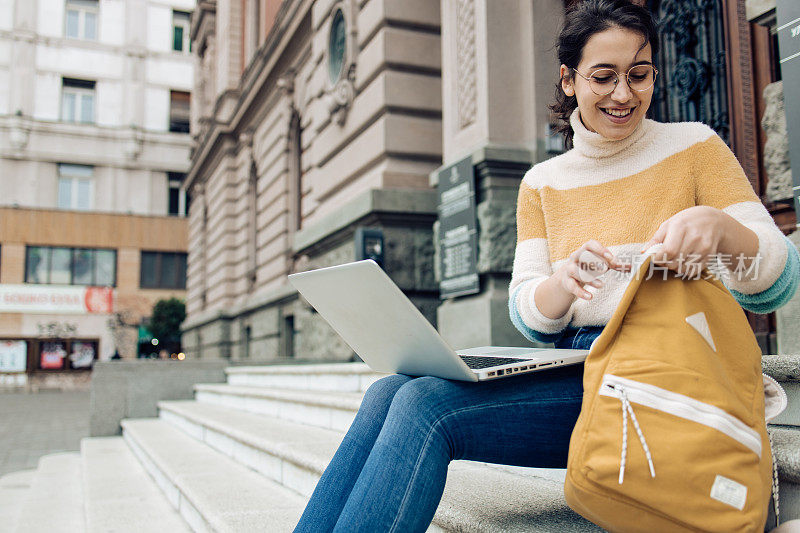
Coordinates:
(556, 294)
(583, 267)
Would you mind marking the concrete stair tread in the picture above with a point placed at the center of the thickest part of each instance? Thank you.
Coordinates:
(14, 489)
(478, 497)
(119, 494)
(306, 446)
(339, 400)
(212, 491)
(54, 502)
(324, 368)
(354, 377)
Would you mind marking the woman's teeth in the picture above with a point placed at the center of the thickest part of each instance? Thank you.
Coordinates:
(620, 113)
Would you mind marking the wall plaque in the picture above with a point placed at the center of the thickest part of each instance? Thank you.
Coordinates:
(458, 243)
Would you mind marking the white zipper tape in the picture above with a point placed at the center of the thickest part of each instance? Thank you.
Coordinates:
(684, 407)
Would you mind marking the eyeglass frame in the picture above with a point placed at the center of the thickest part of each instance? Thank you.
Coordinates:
(627, 79)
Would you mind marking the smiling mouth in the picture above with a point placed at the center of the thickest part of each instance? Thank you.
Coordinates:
(619, 113)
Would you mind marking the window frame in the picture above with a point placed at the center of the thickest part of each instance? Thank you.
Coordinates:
(182, 20)
(176, 97)
(78, 89)
(82, 7)
(174, 183)
(76, 174)
(159, 284)
(72, 251)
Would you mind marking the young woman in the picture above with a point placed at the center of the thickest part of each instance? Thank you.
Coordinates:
(627, 183)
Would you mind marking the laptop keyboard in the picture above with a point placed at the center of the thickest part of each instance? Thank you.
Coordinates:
(476, 361)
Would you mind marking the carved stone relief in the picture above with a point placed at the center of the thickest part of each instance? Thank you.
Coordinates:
(466, 81)
(776, 149)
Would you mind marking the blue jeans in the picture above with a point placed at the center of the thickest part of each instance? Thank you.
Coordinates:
(389, 471)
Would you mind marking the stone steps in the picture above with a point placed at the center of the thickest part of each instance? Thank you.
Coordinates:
(54, 502)
(119, 495)
(211, 491)
(14, 489)
(331, 410)
(246, 455)
(295, 455)
(341, 377)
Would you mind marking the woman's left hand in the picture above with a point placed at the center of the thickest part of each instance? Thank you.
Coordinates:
(690, 237)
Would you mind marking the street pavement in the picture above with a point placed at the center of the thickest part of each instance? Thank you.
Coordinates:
(33, 425)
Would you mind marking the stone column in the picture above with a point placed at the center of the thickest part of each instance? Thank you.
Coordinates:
(22, 74)
(498, 74)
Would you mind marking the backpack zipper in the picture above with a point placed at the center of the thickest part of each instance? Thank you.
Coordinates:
(681, 406)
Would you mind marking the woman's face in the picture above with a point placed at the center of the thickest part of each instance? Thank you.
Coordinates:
(615, 48)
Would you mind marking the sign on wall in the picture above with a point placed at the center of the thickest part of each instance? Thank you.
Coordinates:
(55, 299)
(13, 356)
(788, 21)
(458, 246)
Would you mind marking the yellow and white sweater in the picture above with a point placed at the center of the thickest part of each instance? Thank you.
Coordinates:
(619, 192)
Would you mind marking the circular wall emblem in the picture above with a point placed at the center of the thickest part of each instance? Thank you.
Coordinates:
(336, 46)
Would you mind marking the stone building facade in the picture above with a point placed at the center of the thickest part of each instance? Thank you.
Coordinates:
(301, 141)
(317, 118)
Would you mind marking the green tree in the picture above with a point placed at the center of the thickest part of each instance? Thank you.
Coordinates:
(165, 323)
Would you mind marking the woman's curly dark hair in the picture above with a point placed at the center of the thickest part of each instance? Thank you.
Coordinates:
(582, 20)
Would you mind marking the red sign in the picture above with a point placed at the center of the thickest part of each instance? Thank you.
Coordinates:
(99, 299)
(30, 298)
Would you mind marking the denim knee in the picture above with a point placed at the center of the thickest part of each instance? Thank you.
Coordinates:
(383, 391)
(423, 397)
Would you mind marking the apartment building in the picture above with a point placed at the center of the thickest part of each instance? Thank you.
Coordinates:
(94, 148)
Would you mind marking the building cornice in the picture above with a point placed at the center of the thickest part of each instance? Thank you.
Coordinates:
(124, 147)
(202, 17)
(386, 202)
(94, 46)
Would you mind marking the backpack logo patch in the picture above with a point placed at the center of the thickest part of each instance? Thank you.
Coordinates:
(729, 492)
(700, 324)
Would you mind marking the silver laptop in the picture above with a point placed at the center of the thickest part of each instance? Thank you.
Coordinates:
(388, 332)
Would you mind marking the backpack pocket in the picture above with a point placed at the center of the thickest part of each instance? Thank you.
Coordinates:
(682, 456)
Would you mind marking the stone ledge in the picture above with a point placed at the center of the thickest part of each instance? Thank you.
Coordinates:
(782, 368)
(489, 152)
(786, 447)
(755, 9)
(400, 201)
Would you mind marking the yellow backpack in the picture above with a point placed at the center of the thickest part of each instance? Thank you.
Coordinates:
(672, 433)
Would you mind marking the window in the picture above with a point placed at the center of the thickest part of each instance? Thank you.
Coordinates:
(81, 19)
(179, 111)
(75, 187)
(163, 270)
(65, 353)
(174, 207)
(70, 266)
(77, 101)
(181, 41)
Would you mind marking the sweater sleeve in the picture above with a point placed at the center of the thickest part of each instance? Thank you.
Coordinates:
(772, 278)
(531, 267)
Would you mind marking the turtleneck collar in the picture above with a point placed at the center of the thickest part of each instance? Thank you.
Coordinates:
(594, 145)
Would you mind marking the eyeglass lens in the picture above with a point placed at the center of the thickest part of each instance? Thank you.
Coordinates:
(640, 78)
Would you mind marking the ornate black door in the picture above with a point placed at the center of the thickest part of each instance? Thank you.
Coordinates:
(691, 84)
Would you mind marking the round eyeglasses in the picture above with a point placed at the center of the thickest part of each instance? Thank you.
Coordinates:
(604, 81)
